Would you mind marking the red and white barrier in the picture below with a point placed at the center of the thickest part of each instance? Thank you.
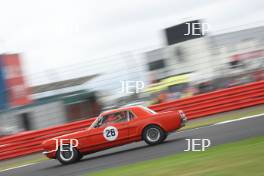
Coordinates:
(194, 107)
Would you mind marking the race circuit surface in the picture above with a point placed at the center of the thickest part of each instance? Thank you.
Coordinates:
(176, 143)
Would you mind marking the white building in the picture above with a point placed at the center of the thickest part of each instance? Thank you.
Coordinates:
(209, 57)
(192, 57)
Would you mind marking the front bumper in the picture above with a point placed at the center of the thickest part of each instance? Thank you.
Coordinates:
(45, 153)
(51, 155)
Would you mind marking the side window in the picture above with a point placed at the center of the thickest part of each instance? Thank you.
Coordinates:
(120, 117)
(114, 118)
(131, 116)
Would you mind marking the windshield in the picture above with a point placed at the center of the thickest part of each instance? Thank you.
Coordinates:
(96, 122)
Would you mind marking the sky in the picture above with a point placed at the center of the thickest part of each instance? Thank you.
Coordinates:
(62, 37)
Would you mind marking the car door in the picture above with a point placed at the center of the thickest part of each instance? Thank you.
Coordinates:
(112, 131)
(133, 126)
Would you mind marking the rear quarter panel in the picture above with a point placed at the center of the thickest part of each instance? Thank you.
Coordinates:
(168, 121)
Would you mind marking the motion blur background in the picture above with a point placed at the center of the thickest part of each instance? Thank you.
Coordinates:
(64, 61)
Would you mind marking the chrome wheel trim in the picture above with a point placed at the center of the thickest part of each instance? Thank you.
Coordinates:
(67, 155)
(153, 134)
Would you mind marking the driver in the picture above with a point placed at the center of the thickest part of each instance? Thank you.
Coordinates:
(120, 117)
(114, 118)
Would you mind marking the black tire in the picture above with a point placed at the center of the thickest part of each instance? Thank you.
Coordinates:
(69, 156)
(153, 135)
(165, 137)
(80, 156)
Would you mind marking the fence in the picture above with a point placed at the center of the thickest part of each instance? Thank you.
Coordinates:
(195, 107)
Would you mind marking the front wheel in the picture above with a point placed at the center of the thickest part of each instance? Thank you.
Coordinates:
(67, 154)
(153, 134)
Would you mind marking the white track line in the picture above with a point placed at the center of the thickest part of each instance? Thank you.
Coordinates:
(11, 168)
(242, 118)
(220, 123)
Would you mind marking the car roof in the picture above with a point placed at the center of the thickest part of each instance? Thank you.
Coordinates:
(121, 109)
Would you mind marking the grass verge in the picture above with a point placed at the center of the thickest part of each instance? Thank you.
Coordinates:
(241, 158)
(16, 162)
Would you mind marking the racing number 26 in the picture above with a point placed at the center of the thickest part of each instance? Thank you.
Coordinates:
(110, 133)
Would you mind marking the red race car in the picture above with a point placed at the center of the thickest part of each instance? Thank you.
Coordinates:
(114, 128)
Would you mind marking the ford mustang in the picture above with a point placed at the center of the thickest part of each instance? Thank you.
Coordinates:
(114, 128)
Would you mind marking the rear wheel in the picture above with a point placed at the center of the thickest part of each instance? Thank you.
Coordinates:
(153, 134)
(68, 154)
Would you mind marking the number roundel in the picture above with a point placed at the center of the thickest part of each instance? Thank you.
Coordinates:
(110, 133)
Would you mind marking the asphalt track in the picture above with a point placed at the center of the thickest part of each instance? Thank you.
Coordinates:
(176, 143)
